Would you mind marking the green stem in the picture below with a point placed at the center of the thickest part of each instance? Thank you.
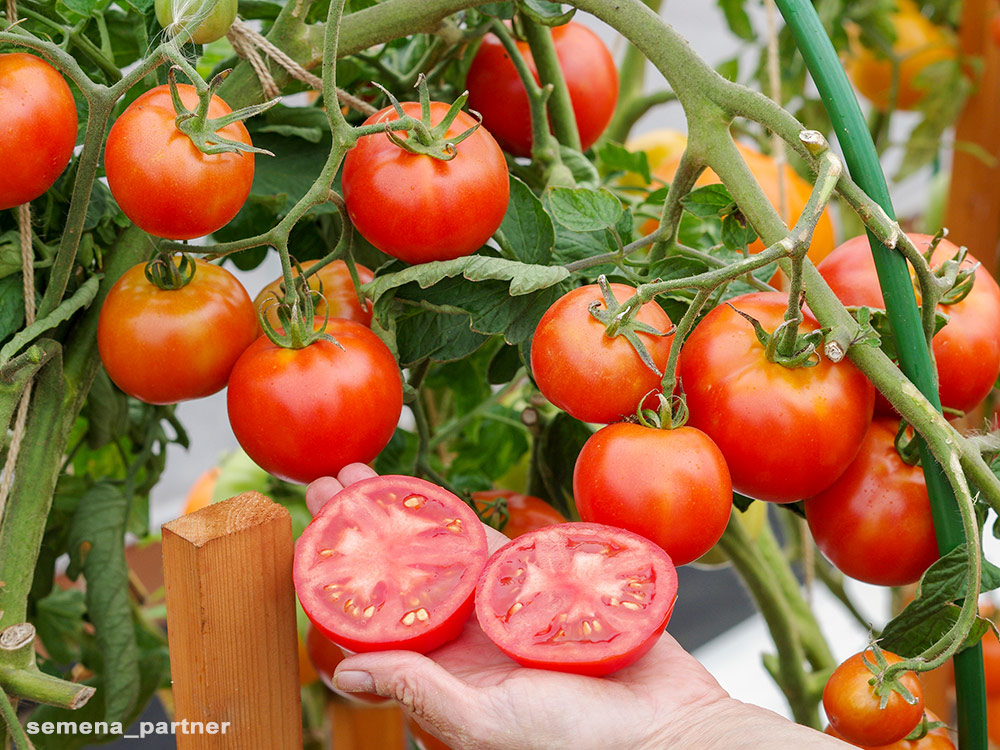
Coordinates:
(36, 686)
(11, 724)
(560, 106)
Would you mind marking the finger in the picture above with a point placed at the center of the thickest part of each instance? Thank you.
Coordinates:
(433, 695)
(355, 473)
(320, 491)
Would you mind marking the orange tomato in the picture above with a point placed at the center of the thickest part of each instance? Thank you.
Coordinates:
(339, 296)
(938, 739)
(525, 513)
(919, 43)
(765, 170)
(200, 494)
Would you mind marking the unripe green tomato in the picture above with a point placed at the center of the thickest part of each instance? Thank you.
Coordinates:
(752, 519)
(213, 17)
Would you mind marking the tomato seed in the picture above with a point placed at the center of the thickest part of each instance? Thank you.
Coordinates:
(586, 628)
(409, 618)
(325, 552)
(514, 609)
(422, 615)
(454, 525)
(370, 610)
(631, 605)
(597, 626)
(415, 501)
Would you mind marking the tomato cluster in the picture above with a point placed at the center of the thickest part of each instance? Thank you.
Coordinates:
(393, 562)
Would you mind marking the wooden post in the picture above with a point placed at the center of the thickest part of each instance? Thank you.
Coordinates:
(973, 214)
(359, 727)
(231, 623)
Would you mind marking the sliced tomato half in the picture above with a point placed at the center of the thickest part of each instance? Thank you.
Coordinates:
(577, 597)
(390, 562)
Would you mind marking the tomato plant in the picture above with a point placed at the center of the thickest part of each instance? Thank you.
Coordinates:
(919, 43)
(339, 297)
(877, 493)
(37, 127)
(733, 391)
(966, 350)
(210, 19)
(670, 486)
(585, 372)
(339, 403)
(418, 208)
(609, 595)
(496, 90)
(853, 707)
(146, 155)
(390, 562)
(168, 345)
(524, 512)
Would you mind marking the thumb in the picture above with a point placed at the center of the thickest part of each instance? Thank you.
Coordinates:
(424, 688)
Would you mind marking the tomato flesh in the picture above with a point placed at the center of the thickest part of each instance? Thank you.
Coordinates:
(576, 597)
(390, 563)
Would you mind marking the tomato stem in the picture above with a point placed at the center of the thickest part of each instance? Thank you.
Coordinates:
(559, 105)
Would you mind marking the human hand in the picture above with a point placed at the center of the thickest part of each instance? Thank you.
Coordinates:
(472, 696)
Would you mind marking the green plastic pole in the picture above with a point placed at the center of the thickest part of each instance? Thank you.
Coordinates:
(897, 288)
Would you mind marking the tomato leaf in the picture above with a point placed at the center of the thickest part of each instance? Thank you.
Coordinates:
(400, 455)
(583, 210)
(924, 620)
(737, 19)
(582, 169)
(711, 201)
(106, 411)
(737, 232)
(616, 158)
(11, 305)
(60, 623)
(526, 232)
(425, 334)
(97, 548)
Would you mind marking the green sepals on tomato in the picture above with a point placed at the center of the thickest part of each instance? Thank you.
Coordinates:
(302, 414)
(390, 562)
(670, 486)
(588, 374)
(38, 127)
(786, 433)
(163, 183)
(966, 350)
(576, 597)
(420, 208)
(333, 281)
(854, 708)
(210, 19)
(497, 93)
(874, 522)
(163, 346)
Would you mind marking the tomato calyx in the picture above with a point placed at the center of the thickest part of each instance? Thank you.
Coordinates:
(672, 413)
(425, 138)
(804, 351)
(886, 678)
(619, 320)
(296, 313)
(202, 130)
(164, 272)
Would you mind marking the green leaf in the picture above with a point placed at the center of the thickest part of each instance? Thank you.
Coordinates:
(583, 210)
(933, 612)
(556, 451)
(400, 455)
(526, 231)
(729, 69)
(10, 253)
(307, 123)
(737, 19)
(11, 305)
(614, 157)
(503, 366)
(97, 548)
(489, 447)
(60, 623)
(582, 169)
(106, 411)
(523, 278)
(737, 233)
(497, 10)
(708, 202)
(424, 334)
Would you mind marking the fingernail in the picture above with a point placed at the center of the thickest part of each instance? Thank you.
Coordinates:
(355, 682)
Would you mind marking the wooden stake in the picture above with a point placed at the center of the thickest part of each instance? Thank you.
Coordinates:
(973, 215)
(231, 622)
(361, 727)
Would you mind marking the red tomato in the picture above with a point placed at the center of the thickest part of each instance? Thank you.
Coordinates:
(524, 512)
(583, 371)
(168, 345)
(966, 350)
(670, 486)
(853, 708)
(993, 718)
(37, 127)
(576, 597)
(878, 493)
(991, 664)
(325, 655)
(766, 418)
(301, 414)
(937, 739)
(496, 91)
(339, 295)
(162, 182)
(418, 208)
(390, 562)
